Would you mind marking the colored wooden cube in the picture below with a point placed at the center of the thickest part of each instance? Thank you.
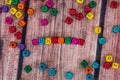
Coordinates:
(25, 53)
(53, 11)
(18, 35)
(92, 4)
(60, 40)
(15, 2)
(80, 1)
(68, 20)
(97, 29)
(67, 40)
(106, 65)
(8, 20)
(8, 2)
(22, 23)
(35, 41)
(52, 72)
(81, 42)
(116, 29)
(5, 9)
(72, 12)
(89, 15)
(89, 77)
(88, 70)
(19, 14)
(79, 16)
(87, 8)
(13, 10)
(41, 41)
(95, 65)
(69, 75)
(109, 58)
(27, 69)
(13, 44)
(74, 40)
(21, 6)
(84, 64)
(12, 29)
(54, 40)
(115, 65)
(101, 40)
(42, 67)
(114, 4)
(48, 41)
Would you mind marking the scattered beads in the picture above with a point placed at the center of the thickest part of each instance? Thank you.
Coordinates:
(52, 72)
(15, 2)
(116, 29)
(5, 9)
(89, 77)
(30, 11)
(114, 4)
(42, 67)
(69, 75)
(97, 29)
(12, 29)
(35, 42)
(27, 69)
(8, 20)
(79, 16)
(115, 65)
(41, 41)
(107, 65)
(72, 12)
(13, 44)
(44, 8)
(102, 40)
(53, 11)
(8, 2)
(21, 6)
(92, 4)
(22, 23)
(18, 14)
(89, 15)
(109, 58)
(80, 1)
(13, 10)
(69, 20)
(18, 35)
(88, 70)
(44, 22)
(95, 65)
(84, 64)
(49, 3)
(25, 53)
(87, 8)
(21, 46)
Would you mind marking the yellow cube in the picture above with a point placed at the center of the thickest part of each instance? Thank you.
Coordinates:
(48, 41)
(13, 10)
(8, 2)
(90, 16)
(80, 1)
(109, 58)
(98, 30)
(19, 14)
(115, 65)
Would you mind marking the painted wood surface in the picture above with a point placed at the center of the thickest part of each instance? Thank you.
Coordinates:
(64, 57)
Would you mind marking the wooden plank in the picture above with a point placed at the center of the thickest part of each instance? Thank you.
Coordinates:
(112, 46)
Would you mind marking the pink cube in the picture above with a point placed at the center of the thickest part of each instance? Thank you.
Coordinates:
(49, 3)
(44, 22)
(8, 20)
(35, 41)
(74, 40)
(25, 0)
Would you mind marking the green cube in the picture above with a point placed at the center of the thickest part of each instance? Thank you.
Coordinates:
(53, 11)
(27, 69)
(15, 2)
(84, 64)
(67, 40)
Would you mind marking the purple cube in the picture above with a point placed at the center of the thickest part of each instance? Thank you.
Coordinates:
(21, 46)
(35, 41)
(5, 9)
(74, 40)
(8, 20)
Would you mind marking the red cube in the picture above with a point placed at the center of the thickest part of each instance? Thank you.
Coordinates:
(69, 20)
(18, 35)
(12, 29)
(87, 8)
(79, 16)
(54, 40)
(107, 65)
(81, 42)
(0, 10)
(114, 4)
(72, 12)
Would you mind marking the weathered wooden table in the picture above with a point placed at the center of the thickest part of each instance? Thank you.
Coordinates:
(62, 57)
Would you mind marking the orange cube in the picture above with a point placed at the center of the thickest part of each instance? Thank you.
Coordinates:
(88, 70)
(21, 6)
(60, 40)
(30, 11)
(13, 44)
(22, 23)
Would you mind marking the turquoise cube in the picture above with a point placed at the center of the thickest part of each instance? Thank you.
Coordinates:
(42, 67)
(25, 53)
(89, 77)
(41, 41)
(116, 29)
(52, 72)
(95, 65)
(69, 75)
(102, 40)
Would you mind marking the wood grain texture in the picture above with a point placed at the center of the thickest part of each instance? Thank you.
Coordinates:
(64, 57)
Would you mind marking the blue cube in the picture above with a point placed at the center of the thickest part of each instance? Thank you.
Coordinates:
(41, 41)
(89, 77)
(5, 9)
(102, 40)
(25, 53)
(42, 67)
(116, 29)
